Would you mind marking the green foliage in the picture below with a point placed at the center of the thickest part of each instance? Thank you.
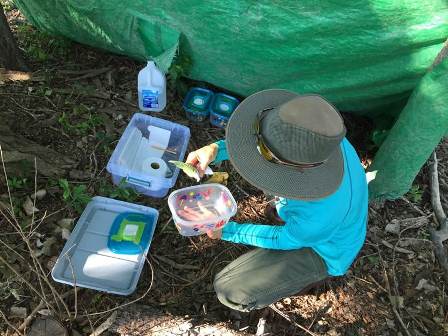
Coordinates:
(120, 192)
(80, 122)
(40, 46)
(104, 142)
(7, 5)
(415, 194)
(76, 197)
(378, 136)
(17, 183)
(179, 69)
(373, 259)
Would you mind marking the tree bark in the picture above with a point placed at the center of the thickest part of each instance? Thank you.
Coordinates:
(10, 55)
(19, 155)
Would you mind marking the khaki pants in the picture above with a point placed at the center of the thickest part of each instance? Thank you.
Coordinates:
(261, 277)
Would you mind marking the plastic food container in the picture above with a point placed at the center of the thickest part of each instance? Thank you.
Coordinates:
(87, 258)
(215, 198)
(141, 158)
(221, 109)
(197, 103)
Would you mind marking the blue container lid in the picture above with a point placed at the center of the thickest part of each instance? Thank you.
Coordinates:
(223, 104)
(130, 233)
(197, 101)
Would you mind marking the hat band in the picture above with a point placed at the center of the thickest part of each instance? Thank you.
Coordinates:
(268, 154)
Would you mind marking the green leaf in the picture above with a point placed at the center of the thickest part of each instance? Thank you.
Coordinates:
(63, 183)
(373, 259)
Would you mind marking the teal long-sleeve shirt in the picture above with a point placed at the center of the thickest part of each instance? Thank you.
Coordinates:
(334, 226)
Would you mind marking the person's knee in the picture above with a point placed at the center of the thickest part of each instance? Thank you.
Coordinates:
(232, 295)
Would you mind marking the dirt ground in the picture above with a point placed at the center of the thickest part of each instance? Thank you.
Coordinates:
(79, 104)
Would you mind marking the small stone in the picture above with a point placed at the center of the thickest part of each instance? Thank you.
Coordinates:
(424, 284)
(66, 223)
(44, 312)
(29, 207)
(390, 324)
(397, 301)
(40, 194)
(65, 234)
(393, 227)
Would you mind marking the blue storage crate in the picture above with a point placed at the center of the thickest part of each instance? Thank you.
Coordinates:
(141, 159)
(221, 108)
(196, 104)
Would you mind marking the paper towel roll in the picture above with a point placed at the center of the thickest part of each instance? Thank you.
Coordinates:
(155, 166)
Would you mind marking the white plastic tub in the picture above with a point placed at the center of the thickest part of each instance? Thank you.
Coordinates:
(86, 259)
(216, 198)
(141, 159)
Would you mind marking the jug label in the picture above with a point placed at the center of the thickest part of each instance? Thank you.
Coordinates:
(150, 98)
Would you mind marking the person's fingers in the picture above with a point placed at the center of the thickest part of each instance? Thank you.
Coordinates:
(186, 215)
(203, 164)
(192, 212)
(210, 234)
(192, 158)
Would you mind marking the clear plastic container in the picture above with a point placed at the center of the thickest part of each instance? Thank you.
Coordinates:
(87, 259)
(151, 88)
(141, 159)
(221, 109)
(196, 104)
(215, 198)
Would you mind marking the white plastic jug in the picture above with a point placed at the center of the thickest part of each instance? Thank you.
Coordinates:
(151, 88)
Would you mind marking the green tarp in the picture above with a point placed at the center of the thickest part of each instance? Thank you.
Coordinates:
(363, 55)
(422, 123)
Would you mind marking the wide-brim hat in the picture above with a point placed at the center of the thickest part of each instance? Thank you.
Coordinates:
(304, 129)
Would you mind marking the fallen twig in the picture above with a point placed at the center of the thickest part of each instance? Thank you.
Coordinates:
(9, 323)
(286, 317)
(440, 235)
(11, 75)
(392, 302)
(105, 325)
(41, 305)
(175, 264)
(88, 74)
(396, 248)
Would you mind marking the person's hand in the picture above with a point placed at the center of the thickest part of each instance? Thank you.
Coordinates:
(193, 215)
(202, 157)
(217, 234)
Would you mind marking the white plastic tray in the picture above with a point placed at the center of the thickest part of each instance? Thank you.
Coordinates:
(87, 261)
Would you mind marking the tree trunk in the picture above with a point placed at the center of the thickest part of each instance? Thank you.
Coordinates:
(19, 154)
(10, 55)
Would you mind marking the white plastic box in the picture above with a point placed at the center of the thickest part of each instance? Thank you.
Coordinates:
(216, 198)
(86, 259)
(141, 159)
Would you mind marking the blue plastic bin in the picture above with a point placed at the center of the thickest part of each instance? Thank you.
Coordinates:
(221, 108)
(197, 103)
(141, 159)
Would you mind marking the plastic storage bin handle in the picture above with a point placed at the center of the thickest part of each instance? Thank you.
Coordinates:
(138, 182)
